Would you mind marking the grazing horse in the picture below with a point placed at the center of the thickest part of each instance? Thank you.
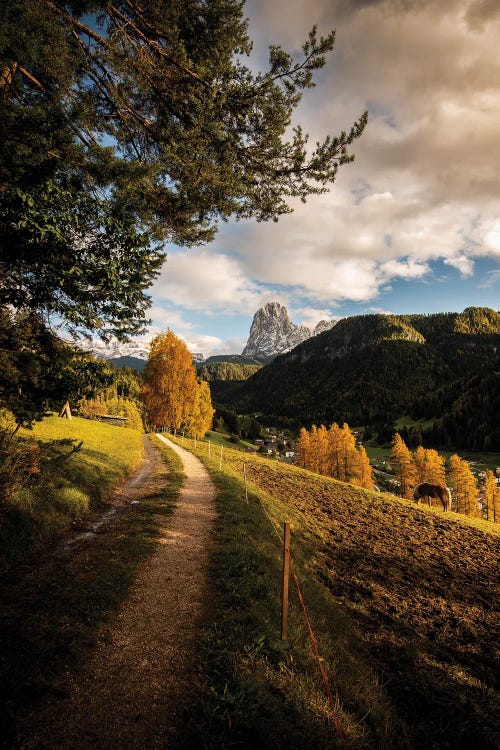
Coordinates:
(433, 490)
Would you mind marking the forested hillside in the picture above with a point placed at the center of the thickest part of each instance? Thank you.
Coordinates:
(372, 369)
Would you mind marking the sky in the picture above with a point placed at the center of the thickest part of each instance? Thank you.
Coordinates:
(413, 225)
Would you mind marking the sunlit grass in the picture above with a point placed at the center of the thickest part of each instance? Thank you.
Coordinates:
(400, 597)
(78, 464)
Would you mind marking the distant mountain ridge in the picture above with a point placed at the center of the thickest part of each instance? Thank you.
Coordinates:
(373, 369)
(132, 354)
(272, 332)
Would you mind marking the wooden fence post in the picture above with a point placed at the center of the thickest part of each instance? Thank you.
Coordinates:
(286, 575)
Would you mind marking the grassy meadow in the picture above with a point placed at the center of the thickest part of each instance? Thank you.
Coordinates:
(65, 469)
(402, 599)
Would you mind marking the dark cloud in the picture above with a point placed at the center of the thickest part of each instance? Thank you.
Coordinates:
(481, 12)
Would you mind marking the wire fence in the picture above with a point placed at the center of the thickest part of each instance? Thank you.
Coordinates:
(279, 539)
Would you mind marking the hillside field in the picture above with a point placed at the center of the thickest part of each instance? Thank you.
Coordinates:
(414, 597)
(75, 466)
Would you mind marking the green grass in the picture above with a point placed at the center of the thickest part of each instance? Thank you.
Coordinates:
(54, 606)
(401, 601)
(218, 438)
(406, 421)
(76, 467)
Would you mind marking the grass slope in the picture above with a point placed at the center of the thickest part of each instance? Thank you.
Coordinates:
(403, 601)
(53, 606)
(80, 463)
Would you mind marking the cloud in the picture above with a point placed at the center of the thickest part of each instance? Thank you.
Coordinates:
(311, 316)
(424, 184)
(423, 187)
(204, 279)
(493, 277)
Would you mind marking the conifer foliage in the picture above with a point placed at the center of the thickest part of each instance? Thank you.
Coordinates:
(334, 452)
(426, 465)
(464, 486)
(491, 498)
(172, 395)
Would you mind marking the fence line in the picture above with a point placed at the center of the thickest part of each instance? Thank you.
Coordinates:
(312, 637)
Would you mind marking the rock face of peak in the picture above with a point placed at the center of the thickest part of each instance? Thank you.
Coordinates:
(273, 332)
(323, 325)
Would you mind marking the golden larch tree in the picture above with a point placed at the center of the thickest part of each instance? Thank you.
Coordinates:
(429, 466)
(170, 384)
(363, 470)
(303, 448)
(200, 419)
(464, 486)
(349, 455)
(491, 497)
(314, 450)
(335, 450)
(322, 451)
(405, 467)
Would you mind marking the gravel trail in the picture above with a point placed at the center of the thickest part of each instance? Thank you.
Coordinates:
(135, 685)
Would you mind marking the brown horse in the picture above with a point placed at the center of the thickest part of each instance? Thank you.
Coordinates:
(433, 490)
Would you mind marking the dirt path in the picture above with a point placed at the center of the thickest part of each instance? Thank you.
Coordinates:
(133, 688)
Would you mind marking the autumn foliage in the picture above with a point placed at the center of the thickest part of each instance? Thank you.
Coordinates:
(426, 465)
(172, 394)
(334, 452)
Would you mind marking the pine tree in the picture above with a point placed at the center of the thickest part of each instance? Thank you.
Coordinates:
(464, 486)
(406, 472)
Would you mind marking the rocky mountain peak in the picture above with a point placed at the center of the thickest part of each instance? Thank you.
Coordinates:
(272, 332)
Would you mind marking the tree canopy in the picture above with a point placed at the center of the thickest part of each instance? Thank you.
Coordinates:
(149, 111)
(172, 395)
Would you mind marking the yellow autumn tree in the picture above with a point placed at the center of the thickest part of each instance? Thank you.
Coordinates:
(314, 450)
(363, 472)
(200, 419)
(491, 497)
(322, 452)
(418, 458)
(429, 466)
(349, 455)
(170, 384)
(334, 450)
(465, 492)
(303, 448)
(405, 468)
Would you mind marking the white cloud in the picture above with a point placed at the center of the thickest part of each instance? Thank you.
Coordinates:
(424, 186)
(311, 316)
(203, 279)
